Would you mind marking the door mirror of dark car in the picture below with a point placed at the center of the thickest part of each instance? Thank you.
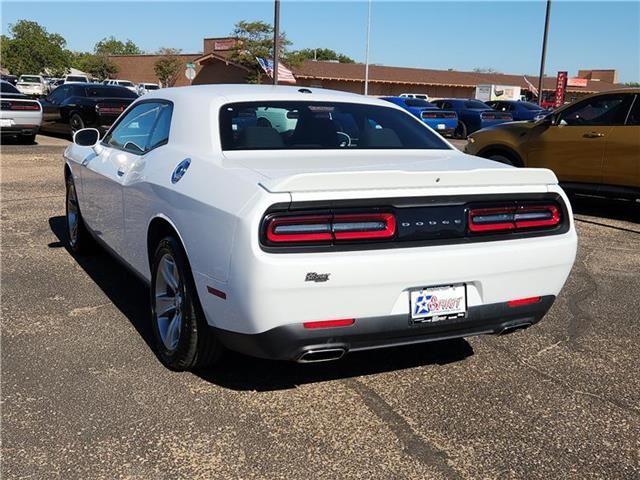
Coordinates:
(548, 120)
(87, 137)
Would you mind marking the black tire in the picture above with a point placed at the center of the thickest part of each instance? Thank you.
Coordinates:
(498, 157)
(76, 123)
(28, 139)
(79, 238)
(461, 131)
(196, 346)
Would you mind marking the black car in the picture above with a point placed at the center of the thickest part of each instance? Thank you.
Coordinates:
(74, 106)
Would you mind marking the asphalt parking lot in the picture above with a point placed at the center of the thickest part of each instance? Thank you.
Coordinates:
(84, 397)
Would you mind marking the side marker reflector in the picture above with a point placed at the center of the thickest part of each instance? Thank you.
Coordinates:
(344, 322)
(523, 301)
(216, 292)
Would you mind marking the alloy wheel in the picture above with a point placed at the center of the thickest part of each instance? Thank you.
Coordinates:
(169, 302)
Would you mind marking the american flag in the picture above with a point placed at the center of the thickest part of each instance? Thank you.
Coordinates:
(284, 74)
(532, 89)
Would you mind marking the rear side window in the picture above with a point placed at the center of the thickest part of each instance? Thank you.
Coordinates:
(601, 110)
(6, 87)
(476, 105)
(143, 128)
(634, 115)
(321, 126)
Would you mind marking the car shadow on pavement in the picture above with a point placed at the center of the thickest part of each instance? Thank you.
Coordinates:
(624, 210)
(239, 372)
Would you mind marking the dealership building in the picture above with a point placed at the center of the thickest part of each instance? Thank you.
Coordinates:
(214, 65)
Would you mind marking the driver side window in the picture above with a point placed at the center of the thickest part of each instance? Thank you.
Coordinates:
(602, 110)
(133, 133)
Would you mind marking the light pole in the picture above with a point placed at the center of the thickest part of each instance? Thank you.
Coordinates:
(544, 51)
(366, 56)
(276, 40)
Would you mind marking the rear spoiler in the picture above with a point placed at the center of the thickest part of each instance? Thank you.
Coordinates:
(397, 179)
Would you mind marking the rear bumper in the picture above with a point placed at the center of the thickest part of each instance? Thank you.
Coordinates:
(16, 130)
(291, 342)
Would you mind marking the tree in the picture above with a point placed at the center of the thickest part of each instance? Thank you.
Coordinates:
(632, 84)
(255, 39)
(98, 66)
(29, 48)
(321, 54)
(112, 46)
(168, 68)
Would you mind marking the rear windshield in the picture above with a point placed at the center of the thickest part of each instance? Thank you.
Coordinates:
(6, 87)
(530, 106)
(417, 102)
(125, 83)
(321, 126)
(475, 104)
(75, 78)
(29, 79)
(109, 92)
(151, 87)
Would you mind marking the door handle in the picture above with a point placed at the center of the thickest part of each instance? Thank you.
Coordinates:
(593, 135)
(120, 172)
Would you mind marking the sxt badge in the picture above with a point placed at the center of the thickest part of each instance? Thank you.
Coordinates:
(316, 277)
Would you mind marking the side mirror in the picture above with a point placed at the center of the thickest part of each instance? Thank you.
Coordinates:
(548, 120)
(87, 137)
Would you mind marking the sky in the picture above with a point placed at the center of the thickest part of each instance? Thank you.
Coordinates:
(504, 35)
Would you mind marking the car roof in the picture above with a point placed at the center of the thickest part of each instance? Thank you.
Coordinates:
(226, 93)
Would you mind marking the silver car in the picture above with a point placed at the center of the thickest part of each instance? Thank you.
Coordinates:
(20, 116)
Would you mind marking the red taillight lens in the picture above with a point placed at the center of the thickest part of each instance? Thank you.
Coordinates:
(30, 107)
(323, 228)
(105, 109)
(512, 218)
(343, 322)
(523, 301)
(450, 115)
(300, 229)
(429, 115)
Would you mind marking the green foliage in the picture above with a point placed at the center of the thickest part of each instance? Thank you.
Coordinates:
(255, 39)
(297, 57)
(485, 70)
(30, 49)
(169, 67)
(632, 84)
(98, 66)
(112, 46)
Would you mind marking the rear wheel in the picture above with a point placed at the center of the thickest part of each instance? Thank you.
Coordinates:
(460, 131)
(182, 337)
(76, 123)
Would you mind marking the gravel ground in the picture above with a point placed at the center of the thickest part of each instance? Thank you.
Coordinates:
(84, 397)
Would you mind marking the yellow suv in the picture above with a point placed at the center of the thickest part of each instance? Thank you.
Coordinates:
(592, 145)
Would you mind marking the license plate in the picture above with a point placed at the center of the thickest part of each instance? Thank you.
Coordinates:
(6, 122)
(433, 304)
(441, 126)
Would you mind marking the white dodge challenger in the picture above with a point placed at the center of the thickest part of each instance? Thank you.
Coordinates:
(356, 227)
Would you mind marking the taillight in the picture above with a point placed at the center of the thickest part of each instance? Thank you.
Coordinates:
(326, 228)
(19, 106)
(513, 218)
(111, 109)
(450, 115)
(429, 115)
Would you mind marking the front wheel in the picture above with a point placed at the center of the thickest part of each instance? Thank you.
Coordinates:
(502, 159)
(182, 337)
(80, 240)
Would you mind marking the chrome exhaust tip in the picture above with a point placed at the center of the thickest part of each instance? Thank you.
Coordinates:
(321, 355)
(513, 328)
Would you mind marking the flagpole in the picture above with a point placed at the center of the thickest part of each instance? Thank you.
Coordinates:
(366, 57)
(276, 40)
(544, 51)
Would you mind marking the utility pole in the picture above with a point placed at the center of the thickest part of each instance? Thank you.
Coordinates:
(276, 40)
(366, 57)
(544, 51)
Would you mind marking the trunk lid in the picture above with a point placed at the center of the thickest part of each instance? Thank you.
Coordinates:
(392, 170)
